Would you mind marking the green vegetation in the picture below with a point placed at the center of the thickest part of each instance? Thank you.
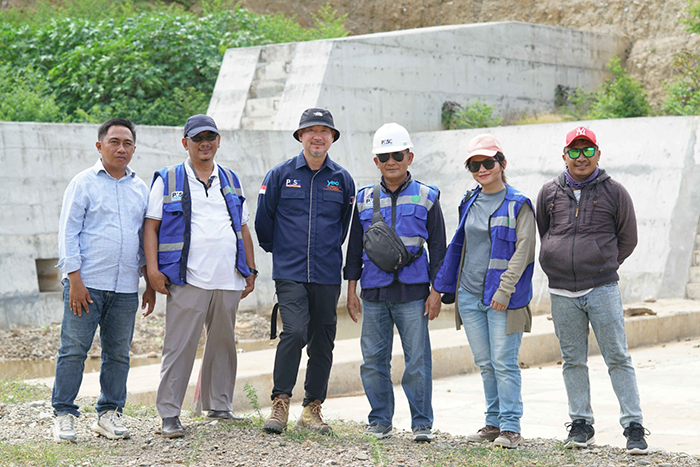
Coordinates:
(51, 454)
(88, 60)
(620, 96)
(252, 395)
(16, 391)
(476, 114)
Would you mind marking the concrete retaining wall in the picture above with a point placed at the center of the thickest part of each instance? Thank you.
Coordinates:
(406, 76)
(657, 160)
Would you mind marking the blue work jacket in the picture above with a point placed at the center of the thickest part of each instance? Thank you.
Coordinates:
(175, 227)
(302, 219)
(503, 237)
(409, 219)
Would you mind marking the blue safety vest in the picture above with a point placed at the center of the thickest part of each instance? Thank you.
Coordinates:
(411, 215)
(503, 237)
(175, 227)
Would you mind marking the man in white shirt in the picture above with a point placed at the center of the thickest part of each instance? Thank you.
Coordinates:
(199, 253)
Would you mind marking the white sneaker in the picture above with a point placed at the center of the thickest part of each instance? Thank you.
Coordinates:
(110, 425)
(64, 428)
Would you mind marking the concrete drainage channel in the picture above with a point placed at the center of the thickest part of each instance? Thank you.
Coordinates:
(674, 320)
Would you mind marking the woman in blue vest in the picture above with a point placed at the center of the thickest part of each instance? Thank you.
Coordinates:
(489, 265)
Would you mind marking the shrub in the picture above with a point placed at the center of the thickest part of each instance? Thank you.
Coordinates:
(621, 96)
(477, 114)
(683, 93)
(26, 97)
(153, 64)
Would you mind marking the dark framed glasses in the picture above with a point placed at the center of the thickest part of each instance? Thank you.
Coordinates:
(475, 166)
(204, 136)
(397, 156)
(575, 153)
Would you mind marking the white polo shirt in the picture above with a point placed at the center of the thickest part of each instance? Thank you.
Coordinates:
(211, 262)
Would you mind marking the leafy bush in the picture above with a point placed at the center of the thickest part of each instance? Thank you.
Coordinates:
(96, 59)
(619, 97)
(683, 93)
(477, 114)
(25, 96)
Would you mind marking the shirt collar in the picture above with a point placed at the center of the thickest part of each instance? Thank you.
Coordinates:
(100, 167)
(190, 170)
(301, 161)
(403, 186)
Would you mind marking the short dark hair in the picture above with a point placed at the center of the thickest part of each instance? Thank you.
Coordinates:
(104, 128)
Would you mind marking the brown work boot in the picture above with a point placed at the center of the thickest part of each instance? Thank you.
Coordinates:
(279, 414)
(311, 418)
(487, 433)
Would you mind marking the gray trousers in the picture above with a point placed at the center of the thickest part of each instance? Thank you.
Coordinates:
(189, 308)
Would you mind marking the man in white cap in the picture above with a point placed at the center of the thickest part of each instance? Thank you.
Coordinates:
(588, 228)
(304, 210)
(199, 253)
(402, 297)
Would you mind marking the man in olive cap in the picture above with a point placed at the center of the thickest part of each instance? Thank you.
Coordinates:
(304, 210)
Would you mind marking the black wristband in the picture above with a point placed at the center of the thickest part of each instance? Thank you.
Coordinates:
(254, 271)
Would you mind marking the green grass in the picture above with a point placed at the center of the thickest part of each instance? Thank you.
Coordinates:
(50, 454)
(16, 391)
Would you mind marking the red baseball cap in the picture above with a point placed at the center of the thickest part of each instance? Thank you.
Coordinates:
(483, 145)
(580, 133)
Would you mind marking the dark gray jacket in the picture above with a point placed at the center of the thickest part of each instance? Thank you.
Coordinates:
(583, 244)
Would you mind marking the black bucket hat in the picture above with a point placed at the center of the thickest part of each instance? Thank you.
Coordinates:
(313, 117)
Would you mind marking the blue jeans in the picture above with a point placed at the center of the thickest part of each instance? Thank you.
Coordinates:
(376, 343)
(115, 313)
(496, 354)
(602, 307)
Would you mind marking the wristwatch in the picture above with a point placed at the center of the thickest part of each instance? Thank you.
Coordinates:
(253, 271)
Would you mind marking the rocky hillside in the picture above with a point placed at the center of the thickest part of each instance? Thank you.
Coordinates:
(652, 26)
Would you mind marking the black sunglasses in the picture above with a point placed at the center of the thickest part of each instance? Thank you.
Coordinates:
(398, 156)
(474, 166)
(575, 153)
(201, 137)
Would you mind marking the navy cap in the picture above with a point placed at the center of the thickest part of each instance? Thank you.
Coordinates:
(313, 117)
(199, 123)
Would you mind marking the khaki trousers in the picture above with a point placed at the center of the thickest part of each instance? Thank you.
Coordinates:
(189, 308)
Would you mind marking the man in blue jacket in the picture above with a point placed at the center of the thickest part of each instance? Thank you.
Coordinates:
(304, 210)
(404, 297)
(199, 253)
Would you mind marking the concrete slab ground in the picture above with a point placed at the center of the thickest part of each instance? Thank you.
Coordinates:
(668, 377)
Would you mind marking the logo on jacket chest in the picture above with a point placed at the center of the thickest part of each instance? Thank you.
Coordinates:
(332, 185)
(293, 183)
(176, 195)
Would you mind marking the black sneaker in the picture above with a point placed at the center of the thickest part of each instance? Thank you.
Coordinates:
(580, 434)
(636, 444)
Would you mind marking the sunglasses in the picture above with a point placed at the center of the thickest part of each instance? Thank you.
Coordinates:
(202, 137)
(397, 156)
(475, 166)
(575, 153)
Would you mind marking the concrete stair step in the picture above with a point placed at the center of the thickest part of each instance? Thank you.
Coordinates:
(692, 291)
(261, 107)
(696, 258)
(256, 123)
(278, 70)
(694, 275)
(267, 88)
(283, 52)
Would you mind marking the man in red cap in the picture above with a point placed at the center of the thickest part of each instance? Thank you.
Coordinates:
(588, 228)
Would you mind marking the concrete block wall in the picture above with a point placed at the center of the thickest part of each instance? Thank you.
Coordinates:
(657, 159)
(407, 75)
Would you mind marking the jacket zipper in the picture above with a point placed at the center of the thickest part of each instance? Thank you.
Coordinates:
(308, 243)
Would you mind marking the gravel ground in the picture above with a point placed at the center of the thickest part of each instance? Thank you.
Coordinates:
(26, 439)
(42, 343)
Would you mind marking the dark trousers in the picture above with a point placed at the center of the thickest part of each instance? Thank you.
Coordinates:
(308, 313)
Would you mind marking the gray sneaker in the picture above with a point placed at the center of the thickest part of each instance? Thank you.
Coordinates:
(379, 431)
(64, 428)
(422, 434)
(110, 425)
(508, 439)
